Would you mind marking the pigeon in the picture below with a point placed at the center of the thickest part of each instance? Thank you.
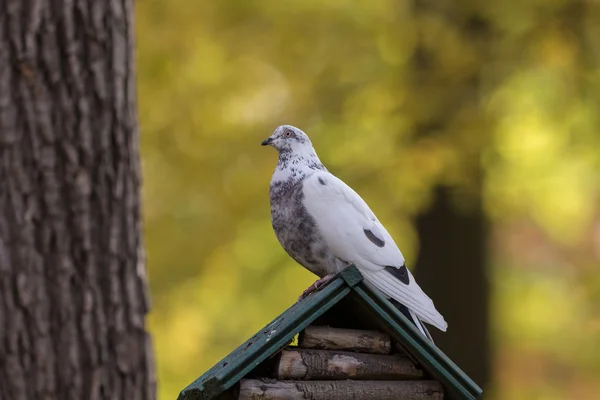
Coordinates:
(324, 225)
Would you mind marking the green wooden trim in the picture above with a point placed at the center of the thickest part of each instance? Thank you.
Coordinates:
(351, 275)
(267, 341)
(427, 354)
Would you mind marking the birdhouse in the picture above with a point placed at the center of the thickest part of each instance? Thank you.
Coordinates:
(345, 341)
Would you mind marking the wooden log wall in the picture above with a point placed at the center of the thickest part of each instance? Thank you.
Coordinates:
(258, 389)
(339, 364)
(325, 337)
(328, 364)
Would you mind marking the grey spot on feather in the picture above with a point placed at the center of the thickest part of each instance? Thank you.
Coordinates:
(371, 236)
(322, 182)
(399, 273)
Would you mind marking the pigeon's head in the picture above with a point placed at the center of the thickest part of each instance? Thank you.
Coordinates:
(288, 138)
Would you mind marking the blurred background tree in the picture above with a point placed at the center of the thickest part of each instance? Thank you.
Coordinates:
(471, 128)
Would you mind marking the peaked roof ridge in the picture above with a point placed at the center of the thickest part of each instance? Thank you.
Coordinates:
(281, 331)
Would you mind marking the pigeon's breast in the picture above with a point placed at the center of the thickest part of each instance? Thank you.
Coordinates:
(297, 230)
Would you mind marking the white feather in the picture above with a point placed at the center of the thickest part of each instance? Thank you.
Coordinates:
(420, 325)
(342, 217)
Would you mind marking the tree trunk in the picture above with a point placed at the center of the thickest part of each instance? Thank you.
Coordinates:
(451, 267)
(73, 291)
(451, 270)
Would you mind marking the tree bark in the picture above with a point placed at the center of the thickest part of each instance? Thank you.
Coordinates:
(325, 337)
(325, 364)
(255, 389)
(73, 291)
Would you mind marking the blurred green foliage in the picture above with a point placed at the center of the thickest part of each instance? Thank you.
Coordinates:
(398, 96)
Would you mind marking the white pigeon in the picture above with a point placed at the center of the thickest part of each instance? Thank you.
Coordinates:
(325, 225)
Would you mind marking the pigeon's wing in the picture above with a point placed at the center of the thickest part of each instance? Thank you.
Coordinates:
(354, 234)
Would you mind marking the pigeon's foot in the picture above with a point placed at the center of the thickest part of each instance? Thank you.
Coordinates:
(316, 285)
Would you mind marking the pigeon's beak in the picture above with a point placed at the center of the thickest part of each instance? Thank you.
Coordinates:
(267, 142)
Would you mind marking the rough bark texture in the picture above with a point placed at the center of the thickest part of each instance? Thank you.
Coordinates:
(325, 337)
(254, 389)
(72, 280)
(325, 364)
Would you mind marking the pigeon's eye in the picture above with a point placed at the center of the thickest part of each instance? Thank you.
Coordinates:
(288, 133)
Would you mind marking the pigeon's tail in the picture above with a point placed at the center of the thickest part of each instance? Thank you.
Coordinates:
(412, 317)
(421, 326)
(409, 294)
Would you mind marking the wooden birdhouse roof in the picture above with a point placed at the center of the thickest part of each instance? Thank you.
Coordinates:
(345, 302)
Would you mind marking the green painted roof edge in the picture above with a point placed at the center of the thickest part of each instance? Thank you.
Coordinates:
(427, 354)
(230, 369)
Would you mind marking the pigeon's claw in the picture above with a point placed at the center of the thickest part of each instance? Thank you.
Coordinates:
(318, 283)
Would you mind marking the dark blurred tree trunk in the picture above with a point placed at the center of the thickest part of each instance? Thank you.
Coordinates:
(451, 269)
(451, 266)
(72, 279)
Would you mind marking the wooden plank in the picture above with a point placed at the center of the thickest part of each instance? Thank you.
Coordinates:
(257, 389)
(325, 337)
(330, 364)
